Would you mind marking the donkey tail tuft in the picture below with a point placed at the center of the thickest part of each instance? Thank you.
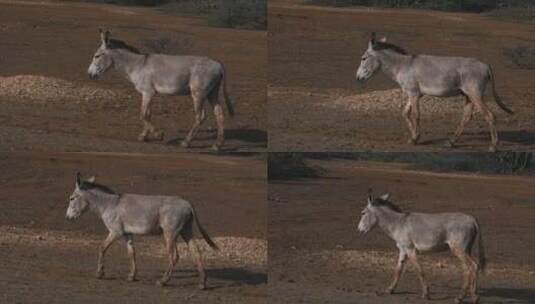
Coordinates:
(497, 98)
(228, 101)
(203, 232)
(482, 260)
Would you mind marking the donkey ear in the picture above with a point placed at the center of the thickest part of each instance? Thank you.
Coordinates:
(104, 36)
(382, 39)
(385, 196)
(372, 38)
(78, 179)
(370, 195)
(91, 179)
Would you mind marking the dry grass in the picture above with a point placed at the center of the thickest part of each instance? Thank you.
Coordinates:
(38, 88)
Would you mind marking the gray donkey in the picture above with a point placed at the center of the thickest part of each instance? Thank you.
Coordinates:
(197, 76)
(439, 76)
(127, 214)
(420, 232)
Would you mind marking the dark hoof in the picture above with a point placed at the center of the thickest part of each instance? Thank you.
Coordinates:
(161, 283)
(475, 300)
(202, 286)
(184, 144)
(131, 279)
(458, 300)
(215, 148)
(158, 135)
(492, 149)
(450, 143)
(99, 274)
(142, 138)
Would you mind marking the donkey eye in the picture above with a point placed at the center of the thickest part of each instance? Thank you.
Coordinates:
(364, 58)
(72, 198)
(96, 56)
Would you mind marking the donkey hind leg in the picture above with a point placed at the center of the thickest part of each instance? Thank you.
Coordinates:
(146, 115)
(219, 116)
(170, 245)
(489, 117)
(467, 272)
(420, 273)
(105, 245)
(475, 269)
(200, 116)
(397, 272)
(132, 255)
(187, 235)
(411, 113)
(467, 116)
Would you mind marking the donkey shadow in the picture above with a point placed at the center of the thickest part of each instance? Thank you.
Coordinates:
(522, 137)
(253, 136)
(237, 277)
(513, 295)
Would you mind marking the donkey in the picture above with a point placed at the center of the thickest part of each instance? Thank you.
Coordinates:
(200, 77)
(127, 214)
(420, 232)
(439, 76)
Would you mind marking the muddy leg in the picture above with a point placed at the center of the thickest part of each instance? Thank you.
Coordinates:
(170, 244)
(411, 113)
(474, 269)
(145, 117)
(187, 235)
(467, 116)
(467, 274)
(200, 117)
(132, 256)
(219, 116)
(491, 120)
(415, 117)
(398, 271)
(105, 245)
(420, 273)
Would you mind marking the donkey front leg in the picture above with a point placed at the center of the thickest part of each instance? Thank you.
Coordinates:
(132, 256)
(414, 261)
(411, 113)
(105, 245)
(146, 115)
(398, 272)
(200, 117)
(170, 244)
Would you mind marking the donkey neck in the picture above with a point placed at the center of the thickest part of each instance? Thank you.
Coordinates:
(392, 63)
(389, 220)
(100, 202)
(127, 62)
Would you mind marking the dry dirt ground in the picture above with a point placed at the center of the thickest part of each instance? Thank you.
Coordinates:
(49, 103)
(316, 254)
(46, 259)
(315, 103)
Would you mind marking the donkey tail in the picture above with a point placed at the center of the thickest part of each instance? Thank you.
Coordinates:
(228, 100)
(203, 232)
(496, 96)
(482, 261)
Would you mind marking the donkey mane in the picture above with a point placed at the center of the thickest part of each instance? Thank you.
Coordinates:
(119, 44)
(85, 185)
(383, 203)
(378, 46)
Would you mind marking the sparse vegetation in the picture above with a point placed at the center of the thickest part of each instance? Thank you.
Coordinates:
(522, 56)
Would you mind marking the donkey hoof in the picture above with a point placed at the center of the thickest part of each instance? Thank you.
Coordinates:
(389, 291)
(202, 286)
(99, 274)
(425, 296)
(184, 144)
(412, 141)
(450, 143)
(158, 135)
(161, 283)
(142, 137)
(458, 300)
(492, 149)
(131, 279)
(475, 299)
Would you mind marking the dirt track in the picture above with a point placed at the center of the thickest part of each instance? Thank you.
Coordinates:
(315, 103)
(46, 259)
(317, 256)
(56, 40)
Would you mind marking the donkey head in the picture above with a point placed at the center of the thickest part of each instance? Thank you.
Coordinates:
(369, 63)
(102, 60)
(77, 202)
(368, 218)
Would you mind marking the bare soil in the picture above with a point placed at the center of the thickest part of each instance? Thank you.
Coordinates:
(49, 103)
(316, 254)
(315, 103)
(45, 258)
